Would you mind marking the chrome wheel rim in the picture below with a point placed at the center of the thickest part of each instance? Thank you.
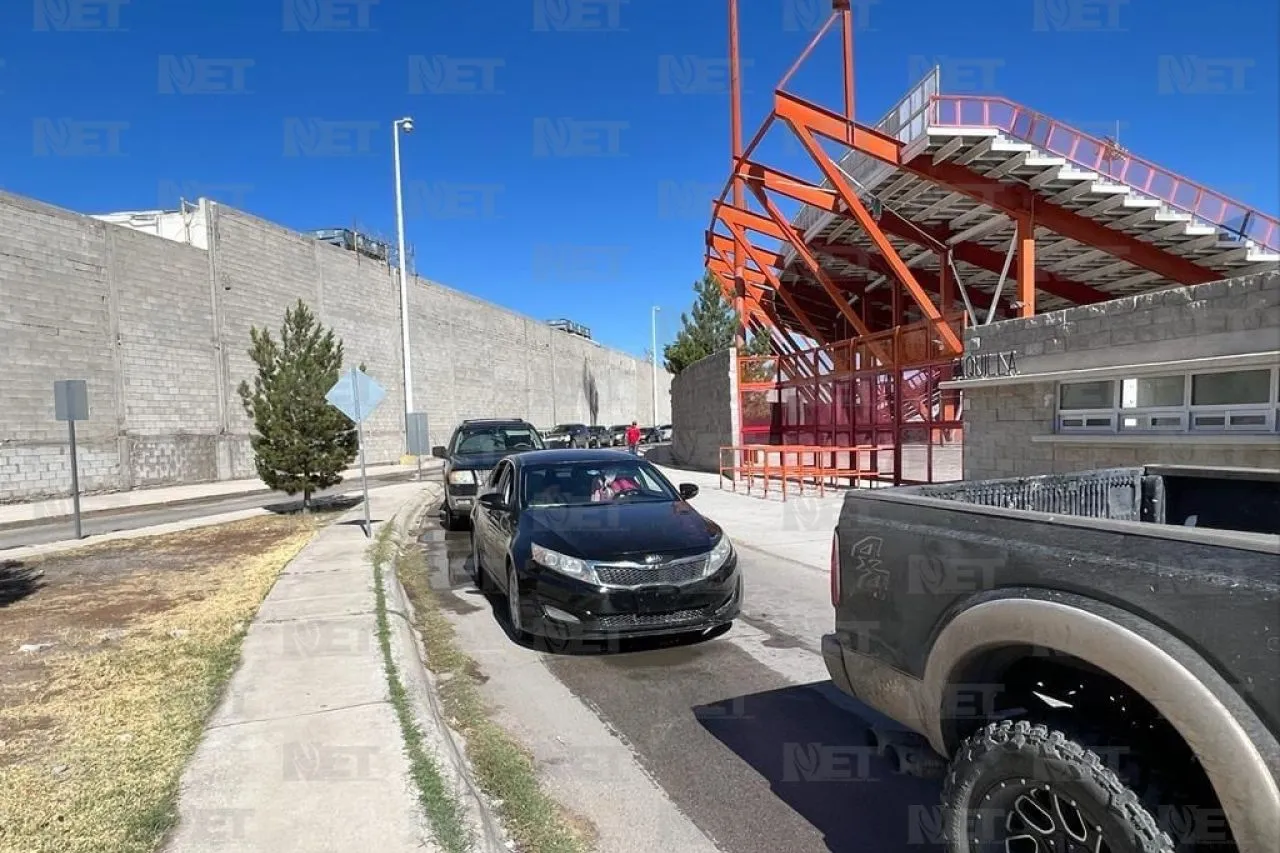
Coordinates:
(1041, 819)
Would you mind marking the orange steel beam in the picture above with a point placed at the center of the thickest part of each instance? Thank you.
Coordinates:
(982, 257)
(760, 176)
(1016, 200)
(755, 282)
(725, 244)
(1012, 200)
(784, 231)
(1026, 266)
(868, 260)
(901, 271)
(735, 141)
(776, 284)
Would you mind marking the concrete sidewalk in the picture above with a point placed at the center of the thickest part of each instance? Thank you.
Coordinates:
(798, 529)
(62, 507)
(305, 752)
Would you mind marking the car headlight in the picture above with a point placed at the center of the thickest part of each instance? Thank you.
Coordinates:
(461, 477)
(720, 554)
(564, 564)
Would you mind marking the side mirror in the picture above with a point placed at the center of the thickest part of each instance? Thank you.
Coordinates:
(688, 491)
(438, 451)
(492, 500)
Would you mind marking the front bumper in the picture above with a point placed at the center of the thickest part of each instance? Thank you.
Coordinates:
(556, 606)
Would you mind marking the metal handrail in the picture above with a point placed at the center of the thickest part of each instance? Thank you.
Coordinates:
(1108, 159)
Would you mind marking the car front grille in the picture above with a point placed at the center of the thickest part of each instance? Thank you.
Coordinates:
(651, 620)
(678, 571)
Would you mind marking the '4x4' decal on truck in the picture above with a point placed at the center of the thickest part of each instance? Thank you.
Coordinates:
(871, 575)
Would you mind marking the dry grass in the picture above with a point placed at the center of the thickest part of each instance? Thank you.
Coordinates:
(536, 822)
(98, 728)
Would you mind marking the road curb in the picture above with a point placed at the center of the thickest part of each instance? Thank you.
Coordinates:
(407, 649)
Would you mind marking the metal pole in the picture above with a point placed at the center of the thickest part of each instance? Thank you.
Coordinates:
(404, 284)
(735, 132)
(364, 479)
(653, 318)
(75, 478)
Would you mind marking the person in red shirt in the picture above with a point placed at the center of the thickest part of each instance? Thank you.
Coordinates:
(633, 437)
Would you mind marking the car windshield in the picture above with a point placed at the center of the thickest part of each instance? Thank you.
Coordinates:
(496, 439)
(587, 483)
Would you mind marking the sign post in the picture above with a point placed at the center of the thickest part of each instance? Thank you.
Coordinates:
(71, 404)
(356, 395)
(416, 425)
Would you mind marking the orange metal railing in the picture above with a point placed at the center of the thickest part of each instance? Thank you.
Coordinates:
(1108, 159)
(788, 468)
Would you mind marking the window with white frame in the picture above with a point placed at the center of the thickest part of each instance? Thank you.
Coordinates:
(1238, 401)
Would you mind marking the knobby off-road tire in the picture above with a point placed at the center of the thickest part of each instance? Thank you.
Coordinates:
(1011, 771)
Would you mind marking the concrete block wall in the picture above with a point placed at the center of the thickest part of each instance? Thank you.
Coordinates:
(704, 417)
(160, 331)
(1006, 425)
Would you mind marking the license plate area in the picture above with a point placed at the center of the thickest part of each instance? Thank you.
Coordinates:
(658, 599)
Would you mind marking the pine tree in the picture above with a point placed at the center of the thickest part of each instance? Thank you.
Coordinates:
(300, 442)
(709, 327)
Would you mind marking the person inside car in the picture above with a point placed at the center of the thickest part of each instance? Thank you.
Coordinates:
(611, 484)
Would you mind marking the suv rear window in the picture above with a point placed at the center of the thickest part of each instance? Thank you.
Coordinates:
(496, 439)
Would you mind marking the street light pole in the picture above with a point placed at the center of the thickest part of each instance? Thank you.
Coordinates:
(407, 124)
(653, 315)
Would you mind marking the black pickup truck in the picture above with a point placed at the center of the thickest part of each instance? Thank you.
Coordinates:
(1096, 654)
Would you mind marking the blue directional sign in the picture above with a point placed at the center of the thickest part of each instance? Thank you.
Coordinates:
(356, 395)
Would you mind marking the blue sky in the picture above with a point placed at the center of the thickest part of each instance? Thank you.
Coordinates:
(566, 151)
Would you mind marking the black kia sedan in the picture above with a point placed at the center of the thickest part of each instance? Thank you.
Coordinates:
(598, 544)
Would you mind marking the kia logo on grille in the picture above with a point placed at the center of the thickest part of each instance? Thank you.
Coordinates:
(653, 559)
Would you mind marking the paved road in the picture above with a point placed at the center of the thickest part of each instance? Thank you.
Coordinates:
(56, 530)
(743, 737)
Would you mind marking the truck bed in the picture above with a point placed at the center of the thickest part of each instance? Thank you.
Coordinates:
(1191, 550)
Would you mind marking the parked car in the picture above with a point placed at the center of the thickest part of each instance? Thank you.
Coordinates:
(473, 450)
(618, 435)
(655, 566)
(569, 435)
(598, 436)
(664, 433)
(1096, 653)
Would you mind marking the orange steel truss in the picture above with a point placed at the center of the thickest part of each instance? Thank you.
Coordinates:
(866, 379)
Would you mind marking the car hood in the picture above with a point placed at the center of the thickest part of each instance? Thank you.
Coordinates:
(621, 530)
(477, 461)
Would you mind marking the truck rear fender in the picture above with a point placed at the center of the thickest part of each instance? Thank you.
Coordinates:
(1239, 755)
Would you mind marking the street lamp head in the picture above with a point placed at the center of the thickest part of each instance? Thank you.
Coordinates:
(406, 123)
